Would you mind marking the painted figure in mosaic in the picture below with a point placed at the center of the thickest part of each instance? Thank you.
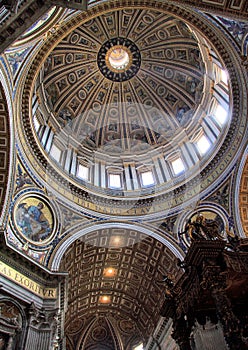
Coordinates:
(32, 221)
(23, 219)
(22, 178)
(39, 223)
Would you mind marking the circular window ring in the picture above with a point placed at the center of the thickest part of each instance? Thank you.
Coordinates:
(109, 65)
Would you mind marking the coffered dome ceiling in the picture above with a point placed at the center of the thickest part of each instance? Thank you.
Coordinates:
(133, 109)
(125, 93)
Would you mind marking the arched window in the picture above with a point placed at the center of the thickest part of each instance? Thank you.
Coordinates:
(56, 153)
(147, 178)
(220, 114)
(82, 172)
(36, 123)
(224, 76)
(114, 180)
(176, 163)
(177, 166)
(203, 144)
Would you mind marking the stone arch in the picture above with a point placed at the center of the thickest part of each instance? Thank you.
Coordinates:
(243, 197)
(14, 321)
(5, 149)
(115, 266)
(61, 249)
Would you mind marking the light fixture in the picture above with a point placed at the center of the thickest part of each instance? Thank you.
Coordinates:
(109, 272)
(117, 241)
(104, 299)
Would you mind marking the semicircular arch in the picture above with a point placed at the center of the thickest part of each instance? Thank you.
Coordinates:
(67, 242)
(5, 152)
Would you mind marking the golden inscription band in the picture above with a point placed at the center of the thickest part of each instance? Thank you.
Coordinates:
(27, 283)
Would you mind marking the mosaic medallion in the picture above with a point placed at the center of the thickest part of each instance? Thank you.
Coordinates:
(119, 59)
(33, 218)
